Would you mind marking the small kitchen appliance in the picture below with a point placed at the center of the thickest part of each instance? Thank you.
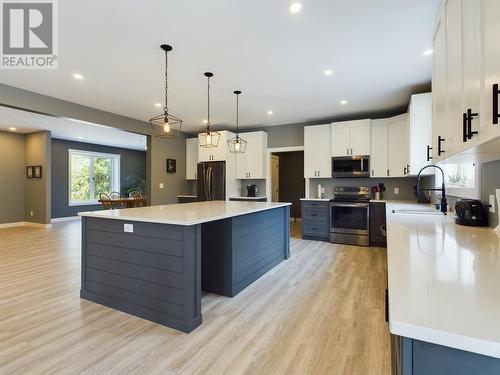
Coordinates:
(252, 190)
(471, 212)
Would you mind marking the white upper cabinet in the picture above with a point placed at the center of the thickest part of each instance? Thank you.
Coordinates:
(351, 138)
(219, 153)
(191, 158)
(398, 142)
(317, 159)
(379, 148)
(466, 66)
(420, 133)
(252, 163)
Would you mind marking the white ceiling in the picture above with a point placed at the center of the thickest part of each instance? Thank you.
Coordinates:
(276, 58)
(63, 128)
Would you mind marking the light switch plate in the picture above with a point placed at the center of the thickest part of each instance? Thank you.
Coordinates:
(492, 203)
(128, 228)
(396, 191)
(161, 185)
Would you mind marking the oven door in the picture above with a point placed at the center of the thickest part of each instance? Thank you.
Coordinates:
(350, 218)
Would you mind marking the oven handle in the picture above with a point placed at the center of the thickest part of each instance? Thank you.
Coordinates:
(337, 204)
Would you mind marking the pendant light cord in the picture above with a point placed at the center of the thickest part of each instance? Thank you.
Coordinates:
(208, 104)
(237, 112)
(166, 82)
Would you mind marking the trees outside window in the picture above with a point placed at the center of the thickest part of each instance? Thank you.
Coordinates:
(90, 174)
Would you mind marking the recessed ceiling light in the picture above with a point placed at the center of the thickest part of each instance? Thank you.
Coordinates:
(428, 52)
(328, 72)
(80, 137)
(270, 112)
(343, 102)
(205, 121)
(12, 129)
(158, 105)
(77, 76)
(295, 7)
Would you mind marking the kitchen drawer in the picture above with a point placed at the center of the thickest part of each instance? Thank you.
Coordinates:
(316, 204)
(320, 213)
(315, 228)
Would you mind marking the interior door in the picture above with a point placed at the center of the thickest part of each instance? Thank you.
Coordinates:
(341, 139)
(275, 178)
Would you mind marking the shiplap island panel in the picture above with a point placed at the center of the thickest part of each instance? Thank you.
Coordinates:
(153, 262)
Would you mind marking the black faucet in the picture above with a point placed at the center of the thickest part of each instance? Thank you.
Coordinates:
(444, 203)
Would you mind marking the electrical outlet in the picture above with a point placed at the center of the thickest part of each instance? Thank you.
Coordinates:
(161, 185)
(492, 203)
(396, 191)
(31, 213)
(128, 228)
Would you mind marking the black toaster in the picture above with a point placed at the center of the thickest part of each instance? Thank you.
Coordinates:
(471, 212)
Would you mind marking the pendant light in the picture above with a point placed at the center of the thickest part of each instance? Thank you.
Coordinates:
(237, 145)
(210, 138)
(166, 125)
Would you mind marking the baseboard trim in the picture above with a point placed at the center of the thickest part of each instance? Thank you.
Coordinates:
(25, 224)
(10, 225)
(67, 218)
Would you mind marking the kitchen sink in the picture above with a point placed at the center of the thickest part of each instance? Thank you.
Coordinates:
(428, 211)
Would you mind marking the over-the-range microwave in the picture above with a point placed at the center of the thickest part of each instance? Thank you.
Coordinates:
(351, 166)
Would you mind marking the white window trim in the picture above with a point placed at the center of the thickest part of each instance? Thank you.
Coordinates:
(470, 193)
(116, 179)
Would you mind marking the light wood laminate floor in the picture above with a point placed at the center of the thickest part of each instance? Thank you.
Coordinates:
(320, 312)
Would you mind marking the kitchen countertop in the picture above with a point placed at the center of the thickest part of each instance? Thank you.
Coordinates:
(316, 199)
(444, 281)
(185, 213)
(186, 196)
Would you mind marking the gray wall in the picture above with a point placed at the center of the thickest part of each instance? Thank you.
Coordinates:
(12, 177)
(490, 181)
(133, 162)
(174, 183)
(37, 196)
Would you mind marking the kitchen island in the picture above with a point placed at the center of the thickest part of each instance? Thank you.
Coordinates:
(153, 262)
(443, 293)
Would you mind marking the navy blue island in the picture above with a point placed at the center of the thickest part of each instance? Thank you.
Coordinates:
(153, 262)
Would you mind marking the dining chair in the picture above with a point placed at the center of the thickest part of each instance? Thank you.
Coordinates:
(105, 201)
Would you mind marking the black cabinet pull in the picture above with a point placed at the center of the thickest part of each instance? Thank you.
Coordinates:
(404, 170)
(470, 117)
(408, 168)
(440, 150)
(464, 127)
(496, 92)
(388, 173)
(429, 157)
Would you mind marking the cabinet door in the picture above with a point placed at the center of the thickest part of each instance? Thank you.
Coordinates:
(191, 158)
(378, 158)
(317, 160)
(252, 163)
(490, 31)
(420, 131)
(341, 139)
(439, 90)
(397, 157)
(360, 137)
(220, 152)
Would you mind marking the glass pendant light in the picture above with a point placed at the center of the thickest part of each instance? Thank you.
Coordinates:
(210, 138)
(166, 125)
(237, 145)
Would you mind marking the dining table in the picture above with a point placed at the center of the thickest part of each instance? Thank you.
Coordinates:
(125, 202)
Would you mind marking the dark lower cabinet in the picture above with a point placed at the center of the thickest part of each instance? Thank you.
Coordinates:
(315, 220)
(414, 357)
(378, 224)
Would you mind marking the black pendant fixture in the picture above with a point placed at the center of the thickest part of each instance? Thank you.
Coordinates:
(210, 138)
(166, 125)
(237, 145)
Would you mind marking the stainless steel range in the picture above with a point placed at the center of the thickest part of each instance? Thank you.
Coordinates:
(350, 216)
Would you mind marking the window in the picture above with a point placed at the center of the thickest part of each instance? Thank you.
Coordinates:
(461, 179)
(92, 173)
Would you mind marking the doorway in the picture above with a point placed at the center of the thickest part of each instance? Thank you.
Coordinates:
(287, 179)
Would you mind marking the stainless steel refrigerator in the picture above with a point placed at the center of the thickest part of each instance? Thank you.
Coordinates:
(211, 184)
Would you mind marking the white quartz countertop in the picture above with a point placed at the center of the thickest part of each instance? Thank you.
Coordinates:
(249, 198)
(185, 213)
(316, 199)
(444, 280)
(187, 196)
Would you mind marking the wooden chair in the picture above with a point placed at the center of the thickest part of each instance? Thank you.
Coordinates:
(138, 199)
(105, 201)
